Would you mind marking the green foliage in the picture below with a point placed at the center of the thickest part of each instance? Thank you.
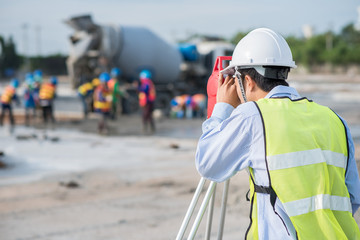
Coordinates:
(237, 37)
(52, 65)
(9, 59)
(296, 48)
(314, 50)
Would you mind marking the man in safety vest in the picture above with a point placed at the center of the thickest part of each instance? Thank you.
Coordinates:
(304, 182)
(47, 94)
(102, 102)
(114, 87)
(85, 92)
(7, 97)
(147, 96)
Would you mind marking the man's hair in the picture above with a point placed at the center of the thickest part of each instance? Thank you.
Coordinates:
(265, 84)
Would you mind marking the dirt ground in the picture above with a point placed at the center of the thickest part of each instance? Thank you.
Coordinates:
(146, 198)
(126, 185)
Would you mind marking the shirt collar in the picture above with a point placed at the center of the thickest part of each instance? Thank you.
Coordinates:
(283, 91)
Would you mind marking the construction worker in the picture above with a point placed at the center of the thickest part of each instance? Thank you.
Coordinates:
(38, 76)
(304, 182)
(198, 103)
(147, 96)
(180, 105)
(47, 95)
(102, 102)
(7, 97)
(85, 92)
(114, 87)
(29, 99)
(38, 80)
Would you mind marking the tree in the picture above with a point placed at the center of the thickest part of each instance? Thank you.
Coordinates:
(237, 37)
(10, 60)
(296, 46)
(350, 35)
(2, 46)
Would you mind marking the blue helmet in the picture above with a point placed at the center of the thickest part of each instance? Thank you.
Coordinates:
(38, 73)
(14, 82)
(29, 74)
(29, 80)
(115, 72)
(145, 74)
(104, 77)
(53, 80)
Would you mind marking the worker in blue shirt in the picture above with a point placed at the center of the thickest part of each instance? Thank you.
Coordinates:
(304, 182)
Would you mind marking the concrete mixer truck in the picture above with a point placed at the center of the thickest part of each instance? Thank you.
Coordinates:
(184, 68)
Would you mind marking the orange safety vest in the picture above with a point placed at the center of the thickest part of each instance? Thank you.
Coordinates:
(47, 91)
(143, 98)
(111, 84)
(199, 97)
(101, 101)
(8, 95)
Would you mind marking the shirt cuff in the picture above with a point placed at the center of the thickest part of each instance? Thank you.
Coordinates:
(222, 110)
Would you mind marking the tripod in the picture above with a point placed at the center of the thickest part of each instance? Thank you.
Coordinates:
(208, 199)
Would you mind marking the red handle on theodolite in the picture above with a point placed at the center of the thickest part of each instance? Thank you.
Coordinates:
(219, 62)
(213, 83)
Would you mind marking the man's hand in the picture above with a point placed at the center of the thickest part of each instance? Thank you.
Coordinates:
(227, 91)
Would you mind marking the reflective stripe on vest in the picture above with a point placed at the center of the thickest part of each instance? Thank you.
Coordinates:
(322, 201)
(302, 158)
(8, 95)
(306, 157)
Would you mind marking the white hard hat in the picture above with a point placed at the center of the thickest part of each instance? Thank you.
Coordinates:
(260, 48)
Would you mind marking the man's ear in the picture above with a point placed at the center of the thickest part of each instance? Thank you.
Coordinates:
(250, 83)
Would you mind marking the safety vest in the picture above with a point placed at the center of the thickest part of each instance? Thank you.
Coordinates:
(47, 91)
(101, 99)
(111, 84)
(85, 89)
(8, 95)
(306, 151)
(147, 97)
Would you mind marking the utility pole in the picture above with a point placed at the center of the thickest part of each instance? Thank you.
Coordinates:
(25, 27)
(38, 39)
(329, 38)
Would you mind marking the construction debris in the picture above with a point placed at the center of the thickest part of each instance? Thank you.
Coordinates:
(70, 184)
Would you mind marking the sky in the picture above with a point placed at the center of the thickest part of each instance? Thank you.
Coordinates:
(37, 26)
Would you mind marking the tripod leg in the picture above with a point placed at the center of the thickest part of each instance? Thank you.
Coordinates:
(210, 215)
(190, 209)
(202, 210)
(223, 209)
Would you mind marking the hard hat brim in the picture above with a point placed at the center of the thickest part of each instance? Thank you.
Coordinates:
(229, 70)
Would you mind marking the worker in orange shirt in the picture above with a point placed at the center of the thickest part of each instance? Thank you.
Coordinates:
(7, 97)
(147, 96)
